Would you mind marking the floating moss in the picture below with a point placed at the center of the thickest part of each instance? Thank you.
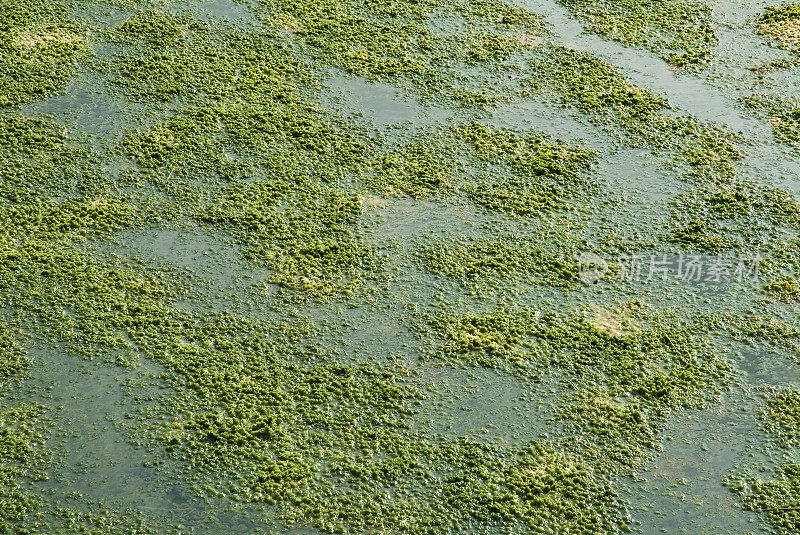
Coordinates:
(546, 172)
(528, 488)
(12, 356)
(153, 28)
(488, 338)
(39, 48)
(762, 328)
(781, 23)
(38, 160)
(602, 91)
(396, 42)
(777, 498)
(19, 442)
(479, 260)
(619, 430)
(787, 126)
(414, 171)
(265, 409)
(634, 365)
(681, 32)
(306, 233)
(783, 115)
(165, 56)
(782, 415)
(700, 235)
(653, 358)
(786, 289)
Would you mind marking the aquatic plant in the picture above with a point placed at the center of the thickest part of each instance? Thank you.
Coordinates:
(681, 32)
(775, 498)
(632, 365)
(19, 441)
(782, 415)
(39, 49)
(418, 170)
(306, 233)
(480, 260)
(781, 23)
(782, 114)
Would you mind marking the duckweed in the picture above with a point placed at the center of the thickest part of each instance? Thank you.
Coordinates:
(546, 172)
(414, 171)
(18, 453)
(265, 409)
(38, 160)
(481, 260)
(489, 339)
(602, 91)
(660, 360)
(641, 365)
(787, 126)
(787, 289)
(759, 327)
(783, 115)
(173, 57)
(396, 42)
(703, 153)
(13, 358)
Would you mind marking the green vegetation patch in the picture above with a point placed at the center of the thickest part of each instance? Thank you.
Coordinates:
(633, 366)
(481, 260)
(680, 31)
(546, 173)
(419, 170)
(38, 160)
(12, 356)
(657, 359)
(783, 115)
(493, 338)
(600, 90)
(778, 499)
(781, 23)
(782, 413)
(716, 217)
(762, 328)
(307, 233)
(165, 56)
(786, 126)
(39, 48)
(399, 41)
(785, 289)
(19, 442)
(545, 489)
(726, 211)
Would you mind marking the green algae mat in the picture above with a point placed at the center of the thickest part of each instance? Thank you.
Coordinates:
(366, 267)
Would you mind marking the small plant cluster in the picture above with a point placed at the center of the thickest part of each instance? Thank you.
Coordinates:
(681, 32)
(783, 24)
(39, 49)
(777, 499)
(633, 366)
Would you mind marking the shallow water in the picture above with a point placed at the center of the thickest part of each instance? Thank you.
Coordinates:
(678, 491)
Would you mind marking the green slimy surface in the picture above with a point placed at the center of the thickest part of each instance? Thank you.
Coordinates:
(319, 267)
